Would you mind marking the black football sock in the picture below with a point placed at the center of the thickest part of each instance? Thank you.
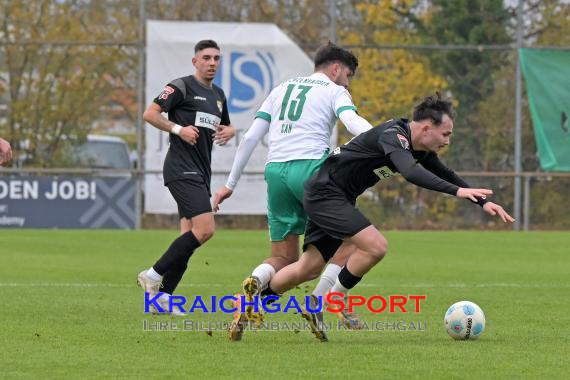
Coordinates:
(178, 254)
(347, 279)
(269, 292)
(171, 279)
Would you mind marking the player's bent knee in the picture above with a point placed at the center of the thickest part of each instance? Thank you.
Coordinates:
(309, 272)
(311, 269)
(204, 234)
(312, 274)
(208, 234)
(380, 247)
(286, 260)
(280, 261)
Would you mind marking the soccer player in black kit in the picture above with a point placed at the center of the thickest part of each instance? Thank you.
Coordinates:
(197, 117)
(396, 146)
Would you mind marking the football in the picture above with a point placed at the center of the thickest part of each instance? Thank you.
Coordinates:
(464, 320)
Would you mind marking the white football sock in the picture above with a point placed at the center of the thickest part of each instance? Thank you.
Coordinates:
(265, 273)
(328, 278)
(153, 275)
(339, 288)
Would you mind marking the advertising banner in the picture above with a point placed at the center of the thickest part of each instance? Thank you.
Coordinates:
(60, 202)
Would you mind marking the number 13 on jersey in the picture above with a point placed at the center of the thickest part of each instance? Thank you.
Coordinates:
(295, 104)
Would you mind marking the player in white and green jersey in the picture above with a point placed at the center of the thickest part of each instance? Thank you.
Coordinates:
(299, 116)
(302, 113)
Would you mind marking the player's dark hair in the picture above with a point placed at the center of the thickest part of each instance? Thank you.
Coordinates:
(433, 108)
(205, 44)
(331, 53)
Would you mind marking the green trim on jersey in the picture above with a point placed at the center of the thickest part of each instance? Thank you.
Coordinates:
(344, 108)
(263, 115)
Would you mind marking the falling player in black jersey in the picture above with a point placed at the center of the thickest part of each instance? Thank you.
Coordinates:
(396, 146)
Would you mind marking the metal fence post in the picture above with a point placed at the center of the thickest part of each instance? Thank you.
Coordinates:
(518, 123)
(140, 123)
(332, 15)
(526, 202)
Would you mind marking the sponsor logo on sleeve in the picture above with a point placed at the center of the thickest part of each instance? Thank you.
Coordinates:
(167, 91)
(403, 141)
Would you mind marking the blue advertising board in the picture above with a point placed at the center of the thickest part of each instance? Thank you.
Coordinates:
(67, 202)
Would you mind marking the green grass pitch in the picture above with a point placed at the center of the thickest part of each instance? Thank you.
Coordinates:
(70, 308)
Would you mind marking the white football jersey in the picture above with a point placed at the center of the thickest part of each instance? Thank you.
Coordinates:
(302, 113)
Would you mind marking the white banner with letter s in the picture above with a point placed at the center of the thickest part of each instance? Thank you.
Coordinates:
(255, 59)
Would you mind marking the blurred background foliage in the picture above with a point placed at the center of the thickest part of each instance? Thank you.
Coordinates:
(85, 80)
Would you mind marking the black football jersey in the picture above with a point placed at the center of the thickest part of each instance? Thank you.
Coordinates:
(188, 102)
(378, 155)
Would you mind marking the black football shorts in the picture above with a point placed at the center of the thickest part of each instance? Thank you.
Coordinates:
(333, 217)
(191, 196)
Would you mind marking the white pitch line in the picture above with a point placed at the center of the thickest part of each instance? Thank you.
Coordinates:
(207, 285)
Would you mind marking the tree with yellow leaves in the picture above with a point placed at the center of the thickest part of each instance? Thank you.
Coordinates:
(389, 81)
(56, 90)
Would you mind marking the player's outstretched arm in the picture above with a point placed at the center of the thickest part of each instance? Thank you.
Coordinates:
(489, 207)
(418, 175)
(222, 194)
(473, 194)
(434, 165)
(495, 209)
(354, 123)
(258, 129)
